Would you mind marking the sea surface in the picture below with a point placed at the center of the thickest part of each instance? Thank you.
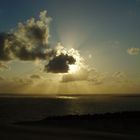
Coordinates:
(13, 109)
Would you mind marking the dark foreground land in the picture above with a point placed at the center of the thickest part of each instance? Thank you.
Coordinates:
(109, 126)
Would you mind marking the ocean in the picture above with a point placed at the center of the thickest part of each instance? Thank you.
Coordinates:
(23, 108)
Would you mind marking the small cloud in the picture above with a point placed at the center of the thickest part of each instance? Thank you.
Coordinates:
(133, 51)
(16, 80)
(23, 81)
(119, 76)
(35, 76)
(95, 77)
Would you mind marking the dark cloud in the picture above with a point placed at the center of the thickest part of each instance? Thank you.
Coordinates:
(36, 33)
(60, 64)
(4, 51)
(29, 41)
(12, 48)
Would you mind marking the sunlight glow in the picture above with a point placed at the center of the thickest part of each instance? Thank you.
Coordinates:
(73, 68)
(67, 97)
(77, 66)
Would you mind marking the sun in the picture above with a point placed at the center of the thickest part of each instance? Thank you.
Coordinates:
(73, 68)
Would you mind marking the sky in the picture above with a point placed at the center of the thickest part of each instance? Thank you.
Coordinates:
(69, 47)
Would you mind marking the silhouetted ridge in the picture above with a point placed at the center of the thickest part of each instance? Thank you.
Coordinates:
(121, 122)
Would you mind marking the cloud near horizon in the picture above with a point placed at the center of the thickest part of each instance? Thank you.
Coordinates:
(88, 75)
(35, 76)
(82, 75)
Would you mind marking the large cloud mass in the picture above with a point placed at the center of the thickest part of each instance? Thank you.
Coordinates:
(29, 41)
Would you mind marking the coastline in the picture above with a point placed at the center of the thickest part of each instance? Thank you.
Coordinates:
(74, 127)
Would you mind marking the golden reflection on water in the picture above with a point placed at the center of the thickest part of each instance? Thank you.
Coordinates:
(66, 97)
